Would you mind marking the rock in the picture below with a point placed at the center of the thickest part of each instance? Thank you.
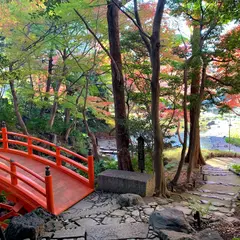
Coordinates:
(129, 199)
(152, 204)
(53, 226)
(47, 235)
(161, 201)
(130, 220)
(208, 234)
(71, 226)
(118, 231)
(27, 226)
(232, 220)
(170, 219)
(85, 222)
(70, 233)
(43, 214)
(135, 213)
(118, 213)
(148, 211)
(73, 214)
(109, 220)
(185, 210)
(173, 235)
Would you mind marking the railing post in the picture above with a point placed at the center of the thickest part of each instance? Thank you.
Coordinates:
(13, 168)
(49, 190)
(4, 136)
(58, 157)
(90, 169)
(30, 150)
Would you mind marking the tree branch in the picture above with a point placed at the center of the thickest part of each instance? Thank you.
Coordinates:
(136, 23)
(220, 81)
(99, 42)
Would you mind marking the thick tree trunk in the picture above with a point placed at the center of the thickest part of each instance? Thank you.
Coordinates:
(122, 133)
(184, 147)
(194, 156)
(16, 108)
(160, 183)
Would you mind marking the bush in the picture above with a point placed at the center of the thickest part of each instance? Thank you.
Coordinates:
(236, 167)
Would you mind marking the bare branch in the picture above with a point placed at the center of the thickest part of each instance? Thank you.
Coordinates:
(99, 42)
(145, 40)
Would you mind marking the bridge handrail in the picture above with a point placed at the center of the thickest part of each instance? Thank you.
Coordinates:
(23, 168)
(12, 171)
(28, 142)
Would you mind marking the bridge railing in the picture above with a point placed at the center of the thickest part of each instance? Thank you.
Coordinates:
(62, 155)
(16, 176)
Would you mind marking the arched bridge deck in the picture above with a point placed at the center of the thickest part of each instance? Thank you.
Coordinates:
(24, 172)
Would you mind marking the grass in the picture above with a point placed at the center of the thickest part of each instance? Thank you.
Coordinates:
(175, 154)
(234, 139)
(236, 167)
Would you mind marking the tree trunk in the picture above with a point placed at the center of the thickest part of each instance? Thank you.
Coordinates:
(89, 132)
(58, 85)
(122, 133)
(184, 148)
(49, 79)
(194, 156)
(160, 183)
(67, 116)
(16, 108)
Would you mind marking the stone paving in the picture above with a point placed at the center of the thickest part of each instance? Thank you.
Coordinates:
(99, 216)
(221, 186)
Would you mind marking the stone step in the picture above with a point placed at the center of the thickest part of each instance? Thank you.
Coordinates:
(212, 196)
(205, 200)
(223, 183)
(217, 192)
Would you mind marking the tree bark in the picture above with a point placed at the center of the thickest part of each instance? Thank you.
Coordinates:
(56, 90)
(122, 133)
(160, 183)
(89, 132)
(194, 156)
(49, 79)
(184, 148)
(67, 116)
(16, 107)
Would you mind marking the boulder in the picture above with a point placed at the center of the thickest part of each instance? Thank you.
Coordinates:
(169, 219)
(208, 234)
(53, 226)
(129, 199)
(43, 214)
(28, 226)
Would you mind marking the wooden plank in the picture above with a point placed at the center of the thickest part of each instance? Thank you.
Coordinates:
(67, 190)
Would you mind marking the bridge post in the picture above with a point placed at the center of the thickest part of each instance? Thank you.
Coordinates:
(91, 169)
(49, 190)
(30, 150)
(4, 136)
(13, 168)
(58, 159)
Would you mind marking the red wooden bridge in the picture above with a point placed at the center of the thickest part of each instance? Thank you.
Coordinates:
(25, 164)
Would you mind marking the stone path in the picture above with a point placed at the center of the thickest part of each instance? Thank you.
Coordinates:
(220, 189)
(100, 217)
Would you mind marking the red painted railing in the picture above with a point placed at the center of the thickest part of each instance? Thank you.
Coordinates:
(55, 151)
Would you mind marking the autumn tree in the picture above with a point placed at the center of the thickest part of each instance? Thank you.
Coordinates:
(206, 19)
